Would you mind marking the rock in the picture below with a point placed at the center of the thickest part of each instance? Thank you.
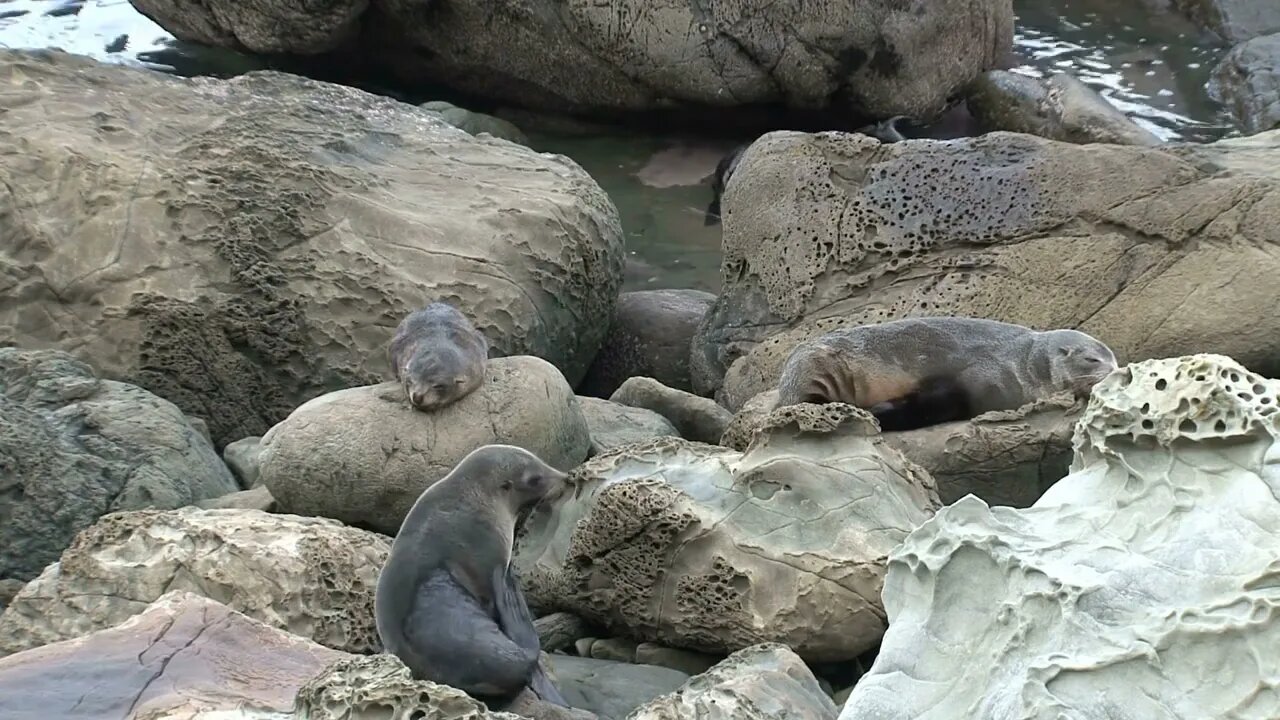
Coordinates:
(832, 229)
(1153, 560)
(381, 686)
(760, 682)
(74, 448)
(582, 646)
(878, 59)
(1247, 81)
(704, 548)
(1059, 107)
(258, 498)
(475, 123)
(309, 576)
(613, 425)
(611, 689)
(241, 246)
(364, 455)
(685, 661)
(696, 418)
(9, 588)
(649, 337)
(1234, 20)
(183, 656)
(619, 649)
(559, 630)
(242, 457)
(1006, 458)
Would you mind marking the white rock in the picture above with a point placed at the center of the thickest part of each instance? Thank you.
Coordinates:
(1142, 585)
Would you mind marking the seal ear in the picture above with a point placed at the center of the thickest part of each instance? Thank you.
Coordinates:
(1065, 351)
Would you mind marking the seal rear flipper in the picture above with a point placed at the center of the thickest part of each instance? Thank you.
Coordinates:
(452, 640)
(935, 401)
(517, 622)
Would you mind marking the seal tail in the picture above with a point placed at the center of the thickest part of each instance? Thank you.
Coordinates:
(935, 400)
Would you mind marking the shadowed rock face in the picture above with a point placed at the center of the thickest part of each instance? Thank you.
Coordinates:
(705, 548)
(877, 57)
(1247, 81)
(238, 247)
(181, 656)
(1154, 251)
(1153, 560)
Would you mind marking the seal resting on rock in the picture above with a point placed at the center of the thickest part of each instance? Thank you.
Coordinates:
(724, 171)
(448, 603)
(916, 372)
(438, 356)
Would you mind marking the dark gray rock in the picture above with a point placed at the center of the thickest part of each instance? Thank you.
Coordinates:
(611, 689)
(649, 337)
(613, 425)
(242, 457)
(559, 630)
(1234, 20)
(697, 418)
(475, 123)
(74, 448)
(1247, 81)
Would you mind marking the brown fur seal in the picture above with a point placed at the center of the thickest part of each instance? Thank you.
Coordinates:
(448, 603)
(916, 372)
(438, 356)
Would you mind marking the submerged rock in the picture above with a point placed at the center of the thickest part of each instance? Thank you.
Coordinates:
(1155, 251)
(364, 455)
(1154, 560)
(183, 656)
(74, 447)
(309, 576)
(761, 682)
(649, 337)
(1247, 81)
(705, 548)
(241, 246)
(1058, 107)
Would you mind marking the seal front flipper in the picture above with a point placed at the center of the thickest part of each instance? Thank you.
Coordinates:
(935, 401)
(517, 622)
(450, 639)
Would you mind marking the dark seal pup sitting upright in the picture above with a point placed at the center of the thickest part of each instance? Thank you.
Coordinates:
(448, 603)
(438, 356)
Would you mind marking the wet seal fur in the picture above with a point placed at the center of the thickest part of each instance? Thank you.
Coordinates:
(916, 372)
(438, 356)
(448, 603)
(719, 181)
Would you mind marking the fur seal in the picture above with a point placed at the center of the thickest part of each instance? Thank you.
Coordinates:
(724, 171)
(448, 602)
(916, 372)
(438, 356)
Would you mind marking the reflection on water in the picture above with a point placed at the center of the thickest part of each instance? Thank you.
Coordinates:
(1151, 66)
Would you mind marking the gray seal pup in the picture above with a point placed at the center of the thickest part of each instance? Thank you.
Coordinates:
(917, 372)
(438, 356)
(448, 602)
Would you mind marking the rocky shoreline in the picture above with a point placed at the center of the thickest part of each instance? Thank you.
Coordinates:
(203, 458)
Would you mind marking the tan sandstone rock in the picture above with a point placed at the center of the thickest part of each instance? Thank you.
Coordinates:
(1155, 251)
(240, 246)
(312, 577)
(761, 682)
(364, 455)
(183, 656)
(705, 548)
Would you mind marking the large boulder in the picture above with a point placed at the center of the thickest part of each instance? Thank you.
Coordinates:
(613, 425)
(240, 246)
(1247, 81)
(611, 689)
(877, 57)
(705, 548)
(761, 682)
(309, 576)
(364, 455)
(74, 447)
(183, 656)
(1153, 561)
(1058, 107)
(649, 337)
(1155, 251)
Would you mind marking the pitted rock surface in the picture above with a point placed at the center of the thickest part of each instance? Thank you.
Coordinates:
(311, 577)
(705, 548)
(183, 656)
(1153, 560)
(761, 682)
(364, 455)
(829, 230)
(873, 57)
(1247, 81)
(240, 246)
(74, 447)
